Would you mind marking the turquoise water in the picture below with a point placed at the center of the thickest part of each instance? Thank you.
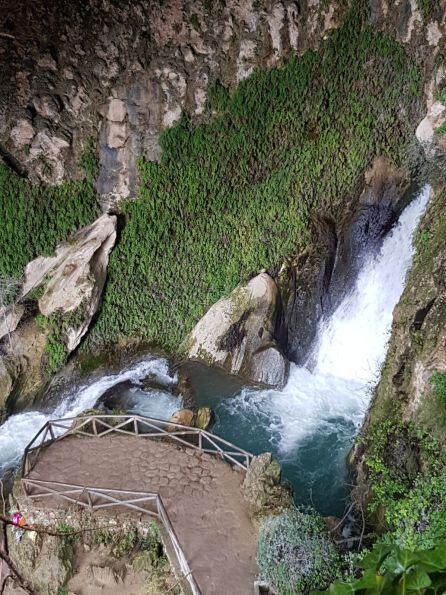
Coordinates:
(315, 467)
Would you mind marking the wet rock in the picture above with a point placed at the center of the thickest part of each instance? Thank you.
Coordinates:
(204, 418)
(238, 334)
(262, 485)
(6, 383)
(184, 389)
(201, 418)
(304, 285)
(371, 217)
(184, 417)
(116, 396)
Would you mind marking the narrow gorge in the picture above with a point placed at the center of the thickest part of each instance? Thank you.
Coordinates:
(230, 216)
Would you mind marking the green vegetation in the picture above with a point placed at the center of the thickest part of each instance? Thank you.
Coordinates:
(438, 382)
(407, 475)
(295, 553)
(36, 218)
(235, 194)
(426, 7)
(441, 129)
(132, 542)
(390, 570)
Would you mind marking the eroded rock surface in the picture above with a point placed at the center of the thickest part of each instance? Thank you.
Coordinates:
(74, 277)
(59, 296)
(238, 334)
(121, 73)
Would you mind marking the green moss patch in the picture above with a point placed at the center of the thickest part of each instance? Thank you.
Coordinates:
(234, 195)
(407, 475)
(34, 219)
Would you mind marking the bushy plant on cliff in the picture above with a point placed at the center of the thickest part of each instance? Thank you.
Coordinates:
(233, 195)
(438, 382)
(34, 219)
(407, 476)
(295, 553)
(390, 569)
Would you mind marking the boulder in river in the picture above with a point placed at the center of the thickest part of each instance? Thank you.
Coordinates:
(238, 334)
(262, 485)
(202, 418)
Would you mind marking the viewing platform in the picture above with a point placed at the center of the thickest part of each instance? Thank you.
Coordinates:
(188, 478)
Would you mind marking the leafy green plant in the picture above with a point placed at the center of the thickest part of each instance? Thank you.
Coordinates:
(407, 475)
(441, 129)
(391, 570)
(438, 382)
(234, 194)
(295, 553)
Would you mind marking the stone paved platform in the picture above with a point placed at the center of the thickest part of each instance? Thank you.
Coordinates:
(200, 492)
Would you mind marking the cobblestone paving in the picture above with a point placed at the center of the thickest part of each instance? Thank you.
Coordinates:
(201, 494)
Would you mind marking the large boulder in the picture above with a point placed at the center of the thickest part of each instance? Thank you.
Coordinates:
(73, 279)
(262, 487)
(200, 418)
(67, 288)
(238, 334)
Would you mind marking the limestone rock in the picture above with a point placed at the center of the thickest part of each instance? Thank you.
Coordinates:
(73, 279)
(262, 487)
(70, 285)
(184, 417)
(204, 418)
(238, 334)
(425, 133)
(9, 318)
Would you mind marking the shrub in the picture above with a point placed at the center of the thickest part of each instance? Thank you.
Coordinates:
(407, 475)
(233, 195)
(295, 553)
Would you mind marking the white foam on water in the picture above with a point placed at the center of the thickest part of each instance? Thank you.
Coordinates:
(348, 355)
(18, 430)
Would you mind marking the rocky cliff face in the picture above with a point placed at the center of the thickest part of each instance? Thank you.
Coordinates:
(122, 73)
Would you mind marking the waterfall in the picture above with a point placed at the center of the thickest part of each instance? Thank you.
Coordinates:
(311, 423)
(18, 430)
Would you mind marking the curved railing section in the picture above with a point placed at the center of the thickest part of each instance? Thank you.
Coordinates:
(95, 498)
(134, 425)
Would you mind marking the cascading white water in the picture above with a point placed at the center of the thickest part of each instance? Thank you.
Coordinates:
(350, 349)
(18, 430)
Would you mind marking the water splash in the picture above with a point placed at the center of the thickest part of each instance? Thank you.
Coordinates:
(18, 430)
(328, 398)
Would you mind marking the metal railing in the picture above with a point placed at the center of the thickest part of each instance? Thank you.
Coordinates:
(134, 425)
(95, 498)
